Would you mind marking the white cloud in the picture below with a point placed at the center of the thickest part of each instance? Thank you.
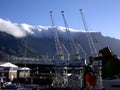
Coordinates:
(63, 29)
(27, 28)
(21, 30)
(44, 27)
(11, 28)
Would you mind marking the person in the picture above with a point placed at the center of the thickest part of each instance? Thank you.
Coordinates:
(90, 78)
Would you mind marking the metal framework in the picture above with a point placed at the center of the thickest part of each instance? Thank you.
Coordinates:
(75, 51)
(90, 40)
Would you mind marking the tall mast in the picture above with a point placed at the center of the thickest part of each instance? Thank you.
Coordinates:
(90, 40)
(66, 51)
(75, 51)
(59, 50)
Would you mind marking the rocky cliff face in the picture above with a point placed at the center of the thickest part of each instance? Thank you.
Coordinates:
(41, 42)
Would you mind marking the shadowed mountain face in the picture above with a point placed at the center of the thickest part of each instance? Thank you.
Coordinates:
(36, 46)
(37, 41)
(11, 45)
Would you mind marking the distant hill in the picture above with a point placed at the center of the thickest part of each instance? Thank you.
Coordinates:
(42, 42)
(10, 45)
(24, 40)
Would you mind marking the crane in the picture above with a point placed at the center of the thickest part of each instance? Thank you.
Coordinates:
(90, 40)
(66, 51)
(61, 52)
(83, 53)
(75, 51)
(59, 49)
(93, 52)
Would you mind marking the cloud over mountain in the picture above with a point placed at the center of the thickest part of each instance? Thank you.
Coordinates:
(21, 30)
(42, 45)
(11, 28)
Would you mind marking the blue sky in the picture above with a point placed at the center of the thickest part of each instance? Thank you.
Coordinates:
(101, 15)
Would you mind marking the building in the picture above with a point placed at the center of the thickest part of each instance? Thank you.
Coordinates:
(8, 71)
(24, 72)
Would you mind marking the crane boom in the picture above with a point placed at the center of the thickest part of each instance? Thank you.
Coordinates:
(73, 46)
(90, 40)
(66, 51)
(56, 38)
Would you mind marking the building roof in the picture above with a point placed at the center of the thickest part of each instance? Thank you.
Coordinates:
(24, 68)
(7, 64)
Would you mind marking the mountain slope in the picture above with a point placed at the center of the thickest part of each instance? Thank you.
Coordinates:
(11, 45)
(35, 41)
(45, 45)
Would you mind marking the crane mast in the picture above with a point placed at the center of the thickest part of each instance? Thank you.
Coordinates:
(83, 54)
(66, 51)
(59, 80)
(90, 40)
(72, 43)
(59, 50)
